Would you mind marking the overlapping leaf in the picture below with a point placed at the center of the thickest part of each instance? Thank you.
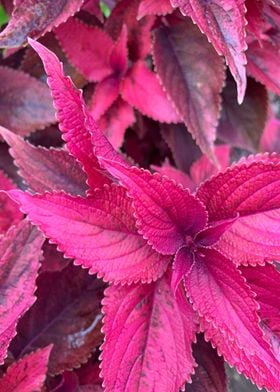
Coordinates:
(20, 250)
(9, 212)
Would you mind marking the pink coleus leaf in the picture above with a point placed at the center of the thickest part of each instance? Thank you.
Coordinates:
(90, 53)
(115, 121)
(142, 89)
(67, 314)
(45, 170)
(229, 318)
(210, 375)
(161, 328)
(264, 281)
(71, 114)
(242, 125)
(223, 22)
(250, 189)
(166, 213)
(107, 241)
(25, 102)
(177, 175)
(181, 56)
(263, 64)
(28, 374)
(270, 140)
(33, 19)
(20, 250)
(154, 7)
(9, 212)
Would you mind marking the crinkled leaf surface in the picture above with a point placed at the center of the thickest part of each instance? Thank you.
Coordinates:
(106, 240)
(90, 53)
(28, 374)
(242, 125)
(25, 102)
(154, 7)
(71, 109)
(9, 212)
(210, 375)
(177, 175)
(67, 314)
(46, 170)
(20, 250)
(229, 318)
(223, 22)
(182, 56)
(166, 213)
(148, 336)
(31, 18)
(252, 191)
(142, 89)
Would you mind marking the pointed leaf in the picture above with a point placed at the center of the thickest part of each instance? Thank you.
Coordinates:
(20, 250)
(33, 19)
(154, 7)
(148, 336)
(210, 375)
(142, 89)
(9, 212)
(182, 56)
(25, 102)
(182, 263)
(106, 240)
(90, 53)
(67, 314)
(166, 213)
(223, 22)
(242, 125)
(28, 374)
(71, 110)
(229, 317)
(263, 64)
(45, 170)
(105, 94)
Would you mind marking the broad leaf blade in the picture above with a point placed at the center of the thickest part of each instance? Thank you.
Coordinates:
(223, 22)
(45, 170)
(20, 250)
(182, 57)
(106, 239)
(148, 336)
(154, 7)
(229, 318)
(25, 102)
(33, 19)
(67, 314)
(9, 212)
(28, 374)
(166, 213)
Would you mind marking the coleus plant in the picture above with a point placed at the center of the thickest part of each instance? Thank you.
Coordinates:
(175, 260)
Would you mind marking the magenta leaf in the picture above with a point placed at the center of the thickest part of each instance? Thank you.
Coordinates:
(242, 125)
(229, 318)
(67, 314)
(210, 375)
(250, 189)
(28, 374)
(45, 170)
(25, 102)
(9, 212)
(20, 250)
(264, 281)
(107, 241)
(149, 340)
(90, 53)
(166, 213)
(33, 19)
(223, 22)
(154, 7)
(71, 114)
(270, 140)
(263, 64)
(175, 174)
(142, 89)
(181, 56)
